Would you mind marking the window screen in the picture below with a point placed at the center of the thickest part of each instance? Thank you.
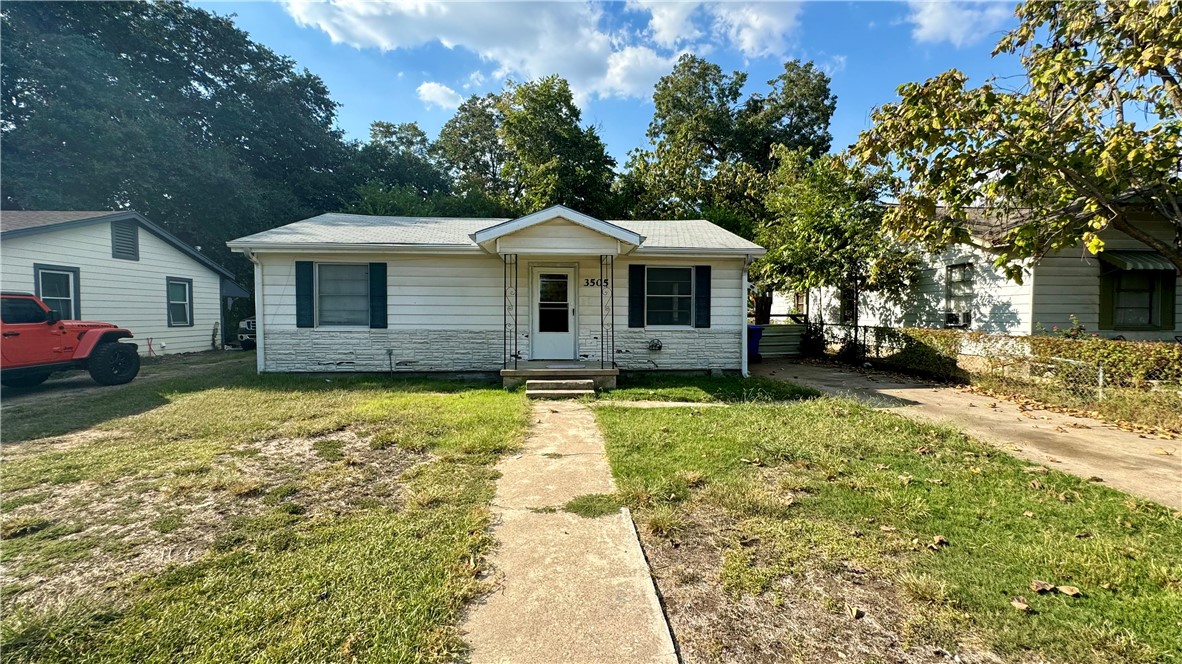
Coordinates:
(180, 303)
(57, 292)
(342, 295)
(1136, 299)
(959, 293)
(669, 295)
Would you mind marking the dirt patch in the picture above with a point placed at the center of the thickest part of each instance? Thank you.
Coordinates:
(95, 538)
(819, 615)
(60, 443)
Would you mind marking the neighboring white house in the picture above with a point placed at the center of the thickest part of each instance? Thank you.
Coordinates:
(1127, 290)
(117, 267)
(343, 292)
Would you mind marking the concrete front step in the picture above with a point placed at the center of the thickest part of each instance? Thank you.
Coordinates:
(563, 384)
(558, 394)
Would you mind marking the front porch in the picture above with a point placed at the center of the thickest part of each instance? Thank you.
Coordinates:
(559, 370)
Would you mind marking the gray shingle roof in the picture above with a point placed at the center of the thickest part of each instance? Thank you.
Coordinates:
(337, 228)
(14, 220)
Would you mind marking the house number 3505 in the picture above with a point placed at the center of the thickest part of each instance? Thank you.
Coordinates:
(595, 282)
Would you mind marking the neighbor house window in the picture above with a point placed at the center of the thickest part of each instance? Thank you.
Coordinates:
(1136, 299)
(57, 287)
(669, 296)
(125, 240)
(180, 302)
(847, 313)
(342, 295)
(800, 302)
(958, 295)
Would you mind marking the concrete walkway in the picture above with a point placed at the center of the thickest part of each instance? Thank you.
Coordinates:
(570, 589)
(1148, 467)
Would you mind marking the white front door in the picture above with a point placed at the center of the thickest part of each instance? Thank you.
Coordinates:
(553, 315)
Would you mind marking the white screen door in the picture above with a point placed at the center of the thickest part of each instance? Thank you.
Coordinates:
(554, 324)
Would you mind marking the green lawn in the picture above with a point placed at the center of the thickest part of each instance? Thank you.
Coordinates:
(704, 389)
(220, 515)
(811, 504)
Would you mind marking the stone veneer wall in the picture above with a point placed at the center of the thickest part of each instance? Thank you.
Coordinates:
(481, 350)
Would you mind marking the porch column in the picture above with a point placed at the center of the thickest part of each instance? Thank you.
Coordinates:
(511, 353)
(607, 321)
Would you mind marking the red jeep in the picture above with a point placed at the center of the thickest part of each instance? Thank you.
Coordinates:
(36, 343)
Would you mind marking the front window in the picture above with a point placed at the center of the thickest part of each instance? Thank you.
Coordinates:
(669, 295)
(342, 295)
(958, 294)
(180, 302)
(848, 306)
(1137, 301)
(58, 288)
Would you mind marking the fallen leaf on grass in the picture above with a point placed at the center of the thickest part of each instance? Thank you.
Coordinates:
(1019, 603)
(1093, 478)
(923, 450)
(1037, 469)
(937, 542)
(855, 612)
(1041, 587)
(1070, 591)
(1035, 484)
(1084, 535)
(887, 529)
(1163, 452)
(1028, 514)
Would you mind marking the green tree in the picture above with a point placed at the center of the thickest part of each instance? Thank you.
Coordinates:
(167, 109)
(401, 156)
(826, 228)
(1089, 140)
(711, 149)
(470, 147)
(551, 158)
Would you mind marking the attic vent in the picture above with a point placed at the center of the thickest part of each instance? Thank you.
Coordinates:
(125, 240)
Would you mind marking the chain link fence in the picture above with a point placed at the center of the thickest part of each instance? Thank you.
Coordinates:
(1132, 383)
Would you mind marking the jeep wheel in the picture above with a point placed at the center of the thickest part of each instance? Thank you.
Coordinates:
(249, 345)
(113, 363)
(26, 380)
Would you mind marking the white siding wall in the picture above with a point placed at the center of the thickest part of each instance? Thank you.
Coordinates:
(1068, 282)
(1000, 306)
(446, 313)
(131, 294)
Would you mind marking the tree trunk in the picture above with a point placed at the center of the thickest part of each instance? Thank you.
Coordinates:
(763, 306)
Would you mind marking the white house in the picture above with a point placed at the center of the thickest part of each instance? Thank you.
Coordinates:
(120, 268)
(1127, 290)
(553, 290)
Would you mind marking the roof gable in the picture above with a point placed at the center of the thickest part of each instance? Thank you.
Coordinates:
(490, 234)
(18, 223)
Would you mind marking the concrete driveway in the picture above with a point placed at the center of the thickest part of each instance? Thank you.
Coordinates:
(1148, 467)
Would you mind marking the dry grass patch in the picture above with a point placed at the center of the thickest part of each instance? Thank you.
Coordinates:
(266, 516)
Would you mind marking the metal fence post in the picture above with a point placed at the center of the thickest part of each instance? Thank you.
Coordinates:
(1100, 383)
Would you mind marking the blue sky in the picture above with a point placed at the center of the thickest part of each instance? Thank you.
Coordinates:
(416, 59)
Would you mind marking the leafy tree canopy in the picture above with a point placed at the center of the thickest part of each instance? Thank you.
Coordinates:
(166, 109)
(711, 148)
(826, 228)
(1090, 140)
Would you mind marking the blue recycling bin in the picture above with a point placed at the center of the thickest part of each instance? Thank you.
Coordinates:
(754, 334)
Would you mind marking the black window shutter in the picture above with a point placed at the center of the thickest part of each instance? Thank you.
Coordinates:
(636, 288)
(702, 296)
(1108, 300)
(1168, 286)
(305, 311)
(377, 295)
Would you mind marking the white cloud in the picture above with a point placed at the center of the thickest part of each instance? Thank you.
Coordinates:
(758, 29)
(632, 72)
(672, 23)
(834, 64)
(528, 40)
(438, 94)
(958, 23)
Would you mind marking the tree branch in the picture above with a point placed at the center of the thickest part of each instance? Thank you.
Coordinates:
(1122, 224)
